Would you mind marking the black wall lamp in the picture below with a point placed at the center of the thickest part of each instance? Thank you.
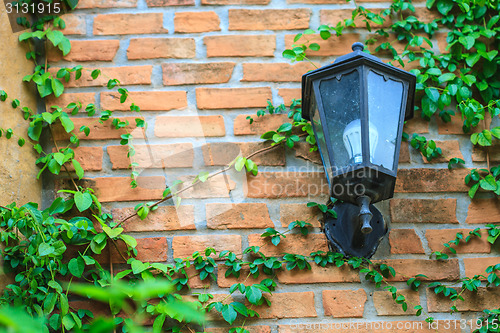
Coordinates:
(358, 106)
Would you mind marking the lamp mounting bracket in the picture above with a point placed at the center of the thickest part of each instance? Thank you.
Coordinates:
(349, 233)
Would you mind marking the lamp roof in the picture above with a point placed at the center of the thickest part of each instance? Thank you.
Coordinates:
(359, 57)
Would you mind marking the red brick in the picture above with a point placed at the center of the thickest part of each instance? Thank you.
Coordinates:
(269, 19)
(275, 72)
(203, 73)
(483, 298)
(293, 243)
(483, 211)
(314, 2)
(286, 184)
(293, 212)
(303, 150)
(196, 22)
(189, 126)
(240, 45)
(87, 50)
(435, 270)
(90, 158)
(478, 266)
(331, 47)
(405, 241)
(423, 210)
(245, 277)
(176, 155)
(215, 187)
(109, 189)
(232, 98)
(386, 306)
(450, 149)
(127, 75)
(260, 125)
(250, 329)
(166, 3)
(67, 98)
(288, 94)
(404, 153)
(437, 237)
(284, 305)
(333, 16)
(75, 24)
(151, 249)
(416, 125)
(319, 274)
(162, 219)
(194, 279)
(99, 131)
(479, 153)
(184, 246)
(153, 48)
(234, 2)
(84, 4)
(431, 180)
(344, 303)
(425, 15)
(238, 216)
(456, 123)
(223, 153)
(146, 100)
(123, 24)
(441, 42)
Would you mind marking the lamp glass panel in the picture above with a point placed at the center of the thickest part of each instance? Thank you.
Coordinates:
(340, 97)
(320, 139)
(384, 109)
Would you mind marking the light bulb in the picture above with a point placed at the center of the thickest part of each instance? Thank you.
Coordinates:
(352, 140)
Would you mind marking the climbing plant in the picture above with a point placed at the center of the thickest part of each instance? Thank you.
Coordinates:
(50, 253)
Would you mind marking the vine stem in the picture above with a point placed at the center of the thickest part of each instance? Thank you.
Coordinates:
(64, 165)
(199, 181)
(486, 148)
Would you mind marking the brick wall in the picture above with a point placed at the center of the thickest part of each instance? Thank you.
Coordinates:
(197, 69)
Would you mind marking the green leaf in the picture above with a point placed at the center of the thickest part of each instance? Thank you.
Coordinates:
(467, 41)
(57, 87)
(66, 122)
(446, 77)
(83, 201)
(472, 59)
(45, 249)
(158, 323)
(444, 6)
(76, 266)
(95, 73)
(488, 183)
(288, 54)
(285, 127)
(253, 295)
(129, 240)
(112, 233)
(240, 163)
(432, 93)
(78, 168)
(314, 46)
(138, 267)
(229, 314)
(473, 190)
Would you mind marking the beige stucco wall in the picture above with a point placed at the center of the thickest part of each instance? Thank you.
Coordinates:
(17, 168)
